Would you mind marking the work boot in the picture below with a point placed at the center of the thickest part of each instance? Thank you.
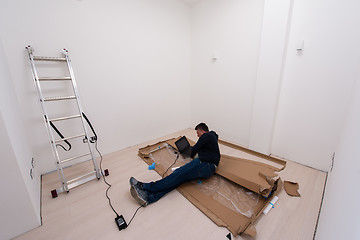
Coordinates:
(139, 195)
(134, 182)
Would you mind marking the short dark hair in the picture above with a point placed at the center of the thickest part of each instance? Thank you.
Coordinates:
(202, 126)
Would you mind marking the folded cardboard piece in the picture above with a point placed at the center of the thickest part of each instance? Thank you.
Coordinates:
(291, 188)
(234, 197)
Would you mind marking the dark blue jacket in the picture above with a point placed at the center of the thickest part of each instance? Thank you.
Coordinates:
(208, 148)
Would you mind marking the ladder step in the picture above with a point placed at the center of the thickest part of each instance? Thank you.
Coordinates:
(82, 176)
(59, 98)
(67, 138)
(38, 58)
(64, 118)
(54, 78)
(73, 158)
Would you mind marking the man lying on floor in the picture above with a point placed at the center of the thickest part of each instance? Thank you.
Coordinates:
(206, 156)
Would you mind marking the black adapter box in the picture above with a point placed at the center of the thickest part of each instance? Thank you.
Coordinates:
(120, 222)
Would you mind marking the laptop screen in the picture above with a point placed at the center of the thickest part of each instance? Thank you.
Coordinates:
(182, 144)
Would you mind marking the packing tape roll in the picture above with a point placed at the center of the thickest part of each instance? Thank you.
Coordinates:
(270, 205)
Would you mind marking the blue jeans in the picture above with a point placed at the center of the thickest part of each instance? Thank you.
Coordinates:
(190, 171)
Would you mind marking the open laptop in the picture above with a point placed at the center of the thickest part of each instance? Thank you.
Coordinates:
(183, 146)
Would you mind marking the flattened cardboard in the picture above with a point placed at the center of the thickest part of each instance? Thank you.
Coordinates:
(236, 222)
(291, 188)
(256, 176)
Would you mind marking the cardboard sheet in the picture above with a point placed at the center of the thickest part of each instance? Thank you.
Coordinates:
(251, 186)
(291, 188)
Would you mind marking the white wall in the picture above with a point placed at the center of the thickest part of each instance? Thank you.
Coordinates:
(18, 214)
(274, 36)
(339, 218)
(223, 90)
(317, 83)
(20, 194)
(131, 61)
(286, 103)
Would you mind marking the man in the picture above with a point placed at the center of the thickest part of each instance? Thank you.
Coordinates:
(207, 156)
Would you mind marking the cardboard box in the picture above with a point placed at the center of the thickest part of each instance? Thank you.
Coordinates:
(240, 176)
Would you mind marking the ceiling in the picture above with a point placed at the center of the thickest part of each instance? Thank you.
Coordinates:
(190, 2)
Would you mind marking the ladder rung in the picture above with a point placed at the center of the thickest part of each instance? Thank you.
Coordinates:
(73, 158)
(64, 118)
(82, 176)
(54, 78)
(38, 58)
(59, 98)
(67, 138)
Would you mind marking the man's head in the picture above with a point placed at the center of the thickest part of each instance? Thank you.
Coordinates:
(201, 128)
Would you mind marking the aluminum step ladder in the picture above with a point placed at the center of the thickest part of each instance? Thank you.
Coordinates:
(66, 185)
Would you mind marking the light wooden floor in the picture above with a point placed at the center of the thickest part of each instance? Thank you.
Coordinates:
(84, 213)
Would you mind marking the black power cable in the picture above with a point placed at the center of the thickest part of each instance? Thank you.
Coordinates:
(134, 214)
(171, 164)
(109, 186)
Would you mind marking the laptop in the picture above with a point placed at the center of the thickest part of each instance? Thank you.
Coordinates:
(183, 146)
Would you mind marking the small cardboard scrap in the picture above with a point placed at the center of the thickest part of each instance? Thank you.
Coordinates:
(291, 188)
(260, 178)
